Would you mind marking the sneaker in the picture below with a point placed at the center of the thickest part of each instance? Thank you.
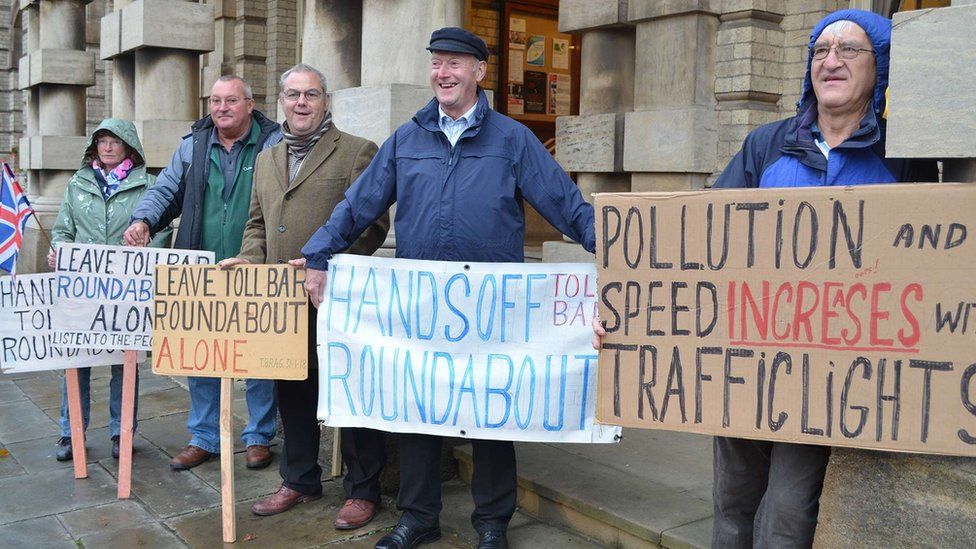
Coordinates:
(115, 446)
(64, 449)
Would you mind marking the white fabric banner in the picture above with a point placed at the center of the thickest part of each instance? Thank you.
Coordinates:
(104, 294)
(472, 350)
(26, 309)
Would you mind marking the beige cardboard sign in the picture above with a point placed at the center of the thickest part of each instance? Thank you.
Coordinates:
(836, 316)
(245, 322)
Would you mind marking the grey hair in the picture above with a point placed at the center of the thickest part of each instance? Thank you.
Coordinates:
(248, 93)
(838, 27)
(301, 67)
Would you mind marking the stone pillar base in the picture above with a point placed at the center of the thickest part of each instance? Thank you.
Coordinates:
(886, 499)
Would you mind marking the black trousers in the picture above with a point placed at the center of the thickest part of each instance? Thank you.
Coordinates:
(363, 450)
(493, 483)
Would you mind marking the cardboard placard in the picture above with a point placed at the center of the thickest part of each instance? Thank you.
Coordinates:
(105, 294)
(246, 322)
(836, 316)
(476, 350)
(26, 309)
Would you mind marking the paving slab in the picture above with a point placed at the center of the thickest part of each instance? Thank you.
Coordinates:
(544, 535)
(448, 541)
(169, 433)
(23, 420)
(458, 506)
(9, 466)
(306, 525)
(98, 415)
(10, 392)
(44, 389)
(54, 492)
(248, 483)
(165, 492)
(145, 535)
(37, 456)
(43, 532)
(682, 461)
(696, 535)
(118, 515)
(163, 403)
(630, 502)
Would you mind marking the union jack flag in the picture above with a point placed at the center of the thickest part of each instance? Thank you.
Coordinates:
(14, 211)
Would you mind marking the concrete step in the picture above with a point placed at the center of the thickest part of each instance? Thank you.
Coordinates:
(653, 489)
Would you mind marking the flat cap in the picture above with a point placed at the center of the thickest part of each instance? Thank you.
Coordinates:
(458, 40)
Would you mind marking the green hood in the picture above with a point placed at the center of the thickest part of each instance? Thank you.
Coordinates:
(124, 130)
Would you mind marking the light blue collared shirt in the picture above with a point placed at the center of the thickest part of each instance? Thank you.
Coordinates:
(454, 128)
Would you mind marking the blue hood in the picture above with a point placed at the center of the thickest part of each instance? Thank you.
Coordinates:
(878, 29)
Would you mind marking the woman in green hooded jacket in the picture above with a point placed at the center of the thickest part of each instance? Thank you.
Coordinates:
(98, 202)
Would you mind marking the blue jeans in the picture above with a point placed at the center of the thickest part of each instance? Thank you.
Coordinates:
(114, 402)
(204, 419)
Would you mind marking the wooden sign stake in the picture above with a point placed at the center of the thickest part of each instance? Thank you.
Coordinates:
(128, 419)
(336, 452)
(229, 518)
(77, 423)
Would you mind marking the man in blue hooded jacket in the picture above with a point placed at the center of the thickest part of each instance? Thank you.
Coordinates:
(767, 493)
(458, 172)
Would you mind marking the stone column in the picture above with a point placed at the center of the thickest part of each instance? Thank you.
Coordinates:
(671, 138)
(54, 72)
(394, 71)
(332, 40)
(592, 143)
(915, 499)
(156, 46)
(748, 71)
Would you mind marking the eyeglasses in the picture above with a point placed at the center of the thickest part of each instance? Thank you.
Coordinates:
(843, 52)
(108, 141)
(229, 101)
(311, 96)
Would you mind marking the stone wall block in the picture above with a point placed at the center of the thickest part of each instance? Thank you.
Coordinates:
(110, 44)
(607, 62)
(666, 182)
(160, 138)
(675, 62)
(592, 143)
(930, 110)
(580, 15)
(50, 66)
(644, 10)
(914, 500)
(158, 23)
(52, 152)
(396, 53)
(374, 112)
(682, 139)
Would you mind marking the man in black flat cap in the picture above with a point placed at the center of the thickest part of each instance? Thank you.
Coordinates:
(459, 172)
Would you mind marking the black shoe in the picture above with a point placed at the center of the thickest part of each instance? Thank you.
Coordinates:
(64, 449)
(405, 537)
(492, 539)
(115, 446)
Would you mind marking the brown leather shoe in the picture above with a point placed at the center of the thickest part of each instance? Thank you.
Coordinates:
(258, 457)
(356, 513)
(189, 458)
(279, 502)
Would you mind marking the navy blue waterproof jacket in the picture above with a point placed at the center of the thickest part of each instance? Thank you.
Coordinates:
(461, 203)
(783, 154)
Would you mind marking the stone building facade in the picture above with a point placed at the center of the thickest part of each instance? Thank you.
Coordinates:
(667, 90)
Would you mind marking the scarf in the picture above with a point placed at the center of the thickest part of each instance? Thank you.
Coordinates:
(109, 182)
(299, 147)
